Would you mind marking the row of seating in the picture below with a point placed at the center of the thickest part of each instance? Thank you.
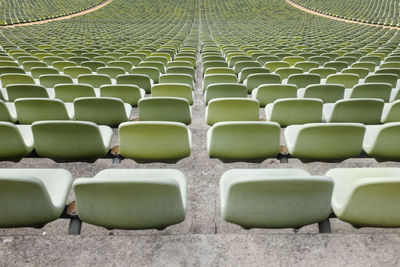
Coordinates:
(156, 198)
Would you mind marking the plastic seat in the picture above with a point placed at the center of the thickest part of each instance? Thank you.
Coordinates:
(141, 199)
(219, 70)
(382, 78)
(108, 111)
(367, 65)
(165, 109)
(361, 110)
(68, 92)
(95, 80)
(126, 65)
(328, 93)
(213, 64)
(232, 109)
(348, 80)
(303, 80)
(361, 72)
(173, 90)
(240, 65)
(274, 65)
(267, 58)
(71, 140)
(7, 112)
(218, 78)
(243, 141)
(36, 72)
(338, 65)
(28, 65)
(16, 91)
(16, 141)
(274, 198)
(255, 80)
(11, 69)
(30, 110)
(155, 64)
(366, 197)
(292, 60)
(93, 65)
(223, 90)
(177, 78)
(323, 72)
(391, 112)
(245, 72)
(382, 141)
(51, 80)
(284, 73)
(32, 197)
(331, 142)
(60, 65)
(15, 78)
(131, 59)
(152, 72)
(372, 90)
(268, 93)
(142, 81)
(113, 72)
(288, 111)
(130, 94)
(182, 70)
(143, 142)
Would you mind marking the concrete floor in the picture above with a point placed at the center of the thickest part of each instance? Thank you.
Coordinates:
(203, 239)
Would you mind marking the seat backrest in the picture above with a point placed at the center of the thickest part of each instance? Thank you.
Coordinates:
(16, 91)
(372, 90)
(303, 80)
(51, 80)
(68, 92)
(382, 78)
(164, 109)
(95, 80)
(12, 144)
(360, 110)
(232, 109)
(152, 72)
(328, 93)
(30, 110)
(348, 80)
(140, 80)
(15, 78)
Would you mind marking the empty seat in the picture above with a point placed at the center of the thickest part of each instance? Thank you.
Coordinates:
(16, 91)
(219, 70)
(93, 65)
(32, 197)
(74, 72)
(141, 199)
(362, 72)
(240, 65)
(95, 80)
(128, 93)
(306, 65)
(16, 141)
(391, 112)
(348, 80)
(7, 112)
(292, 60)
(51, 80)
(366, 197)
(328, 93)
(30, 110)
(177, 78)
(323, 72)
(255, 80)
(274, 65)
(382, 78)
(284, 73)
(218, 78)
(372, 90)
(268, 93)
(173, 90)
(68, 92)
(109, 111)
(71, 140)
(165, 109)
(243, 141)
(304, 79)
(361, 110)
(15, 78)
(382, 141)
(232, 109)
(140, 80)
(223, 90)
(274, 198)
(213, 64)
(244, 73)
(113, 72)
(143, 142)
(152, 72)
(338, 65)
(330, 142)
(11, 69)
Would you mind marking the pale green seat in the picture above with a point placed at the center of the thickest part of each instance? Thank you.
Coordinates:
(152, 72)
(177, 78)
(7, 112)
(142, 81)
(219, 70)
(223, 90)
(255, 80)
(235, 59)
(348, 59)
(108, 111)
(15, 78)
(372, 90)
(74, 72)
(348, 80)
(16, 141)
(104, 59)
(159, 65)
(274, 65)
(165, 109)
(320, 60)
(71, 140)
(95, 80)
(323, 72)
(173, 90)
(331, 142)
(113, 72)
(93, 65)
(274, 198)
(51, 80)
(292, 60)
(328, 93)
(179, 64)
(16, 91)
(338, 65)
(375, 59)
(30, 110)
(68, 92)
(232, 109)
(243, 141)
(361, 110)
(306, 65)
(36, 72)
(302, 80)
(367, 65)
(284, 73)
(267, 58)
(395, 71)
(11, 64)
(362, 72)
(389, 65)
(244, 73)
(130, 94)
(288, 111)
(391, 112)
(382, 78)
(11, 69)
(32, 197)
(218, 78)
(382, 142)
(142, 141)
(182, 70)
(32, 64)
(126, 65)
(213, 64)
(132, 199)
(366, 197)
(268, 93)
(164, 60)
(50, 59)
(240, 65)
(190, 59)
(212, 58)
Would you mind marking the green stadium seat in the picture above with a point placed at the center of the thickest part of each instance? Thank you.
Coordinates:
(165, 109)
(232, 109)
(16, 141)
